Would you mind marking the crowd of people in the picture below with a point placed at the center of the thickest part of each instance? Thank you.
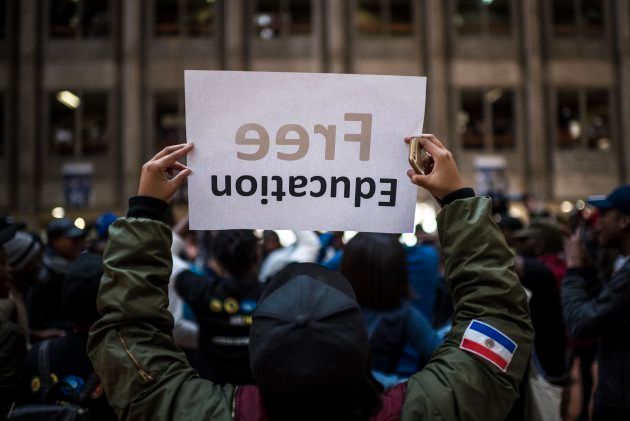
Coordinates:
(140, 318)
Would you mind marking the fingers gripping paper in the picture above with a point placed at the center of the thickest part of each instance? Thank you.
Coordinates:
(301, 151)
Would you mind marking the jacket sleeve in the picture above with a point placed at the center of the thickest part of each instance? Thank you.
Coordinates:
(144, 375)
(457, 384)
(586, 314)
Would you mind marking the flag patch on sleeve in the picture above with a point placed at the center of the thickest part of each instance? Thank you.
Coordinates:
(489, 343)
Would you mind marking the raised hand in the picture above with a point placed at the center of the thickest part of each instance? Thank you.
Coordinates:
(163, 174)
(444, 178)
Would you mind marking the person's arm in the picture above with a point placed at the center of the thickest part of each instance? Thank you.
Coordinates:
(587, 315)
(144, 375)
(459, 384)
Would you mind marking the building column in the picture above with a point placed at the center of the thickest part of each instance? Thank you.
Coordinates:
(437, 116)
(336, 25)
(131, 97)
(538, 176)
(235, 32)
(621, 13)
(29, 109)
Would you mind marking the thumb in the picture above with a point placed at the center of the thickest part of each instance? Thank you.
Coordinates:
(180, 178)
(418, 179)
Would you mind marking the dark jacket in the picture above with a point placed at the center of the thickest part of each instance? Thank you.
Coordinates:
(604, 313)
(12, 353)
(146, 376)
(223, 308)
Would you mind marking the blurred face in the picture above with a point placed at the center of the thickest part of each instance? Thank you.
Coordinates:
(70, 248)
(5, 274)
(612, 226)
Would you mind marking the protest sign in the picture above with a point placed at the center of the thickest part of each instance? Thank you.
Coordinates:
(301, 151)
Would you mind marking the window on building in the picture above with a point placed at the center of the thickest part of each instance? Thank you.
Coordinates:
(584, 18)
(3, 18)
(191, 18)
(78, 123)
(583, 119)
(79, 18)
(282, 18)
(385, 17)
(170, 127)
(598, 120)
(486, 119)
(483, 17)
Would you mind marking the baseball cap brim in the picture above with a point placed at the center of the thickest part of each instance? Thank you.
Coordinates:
(74, 232)
(600, 202)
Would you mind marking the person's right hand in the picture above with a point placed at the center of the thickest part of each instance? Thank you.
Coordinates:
(444, 178)
(157, 178)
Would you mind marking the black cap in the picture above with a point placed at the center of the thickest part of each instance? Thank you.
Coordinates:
(63, 228)
(616, 199)
(80, 287)
(308, 335)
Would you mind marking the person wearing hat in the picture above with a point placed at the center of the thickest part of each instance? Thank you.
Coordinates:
(309, 350)
(600, 308)
(12, 339)
(65, 244)
(69, 366)
(24, 255)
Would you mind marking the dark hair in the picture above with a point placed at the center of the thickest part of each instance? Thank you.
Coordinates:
(376, 266)
(236, 251)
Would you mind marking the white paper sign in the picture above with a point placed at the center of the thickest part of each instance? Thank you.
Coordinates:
(301, 151)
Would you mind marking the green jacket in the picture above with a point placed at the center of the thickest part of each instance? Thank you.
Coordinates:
(146, 377)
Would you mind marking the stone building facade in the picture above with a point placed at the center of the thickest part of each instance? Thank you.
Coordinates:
(90, 88)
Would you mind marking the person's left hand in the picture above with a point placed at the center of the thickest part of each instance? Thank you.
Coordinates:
(158, 177)
(574, 251)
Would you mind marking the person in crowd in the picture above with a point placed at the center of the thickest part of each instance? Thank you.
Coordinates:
(101, 227)
(375, 266)
(510, 226)
(24, 256)
(549, 368)
(72, 377)
(331, 249)
(599, 308)
(223, 305)
(309, 350)
(544, 241)
(270, 243)
(12, 339)
(423, 267)
(65, 244)
(305, 249)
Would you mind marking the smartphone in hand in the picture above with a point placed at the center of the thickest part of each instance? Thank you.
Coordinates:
(419, 159)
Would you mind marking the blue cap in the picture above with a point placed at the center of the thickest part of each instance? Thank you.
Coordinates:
(617, 199)
(103, 222)
(63, 228)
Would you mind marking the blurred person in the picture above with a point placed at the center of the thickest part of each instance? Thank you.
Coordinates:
(101, 227)
(375, 266)
(423, 268)
(65, 244)
(308, 343)
(331, 246)
(58, 371)
(223, 305)
(544, 241)
(270, 243)
(599, 308)
(12, 339)
(510, 226)
(24, 256)
(305, 249)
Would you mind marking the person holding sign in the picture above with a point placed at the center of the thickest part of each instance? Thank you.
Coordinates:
(308, 342)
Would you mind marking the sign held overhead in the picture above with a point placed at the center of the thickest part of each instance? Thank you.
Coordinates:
(301, 151)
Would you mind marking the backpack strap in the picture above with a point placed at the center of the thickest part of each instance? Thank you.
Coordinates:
(43, 368)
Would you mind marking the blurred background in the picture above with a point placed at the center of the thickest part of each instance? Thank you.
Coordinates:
(532, 96)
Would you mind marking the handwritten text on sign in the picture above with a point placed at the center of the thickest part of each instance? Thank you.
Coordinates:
(301, 151)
